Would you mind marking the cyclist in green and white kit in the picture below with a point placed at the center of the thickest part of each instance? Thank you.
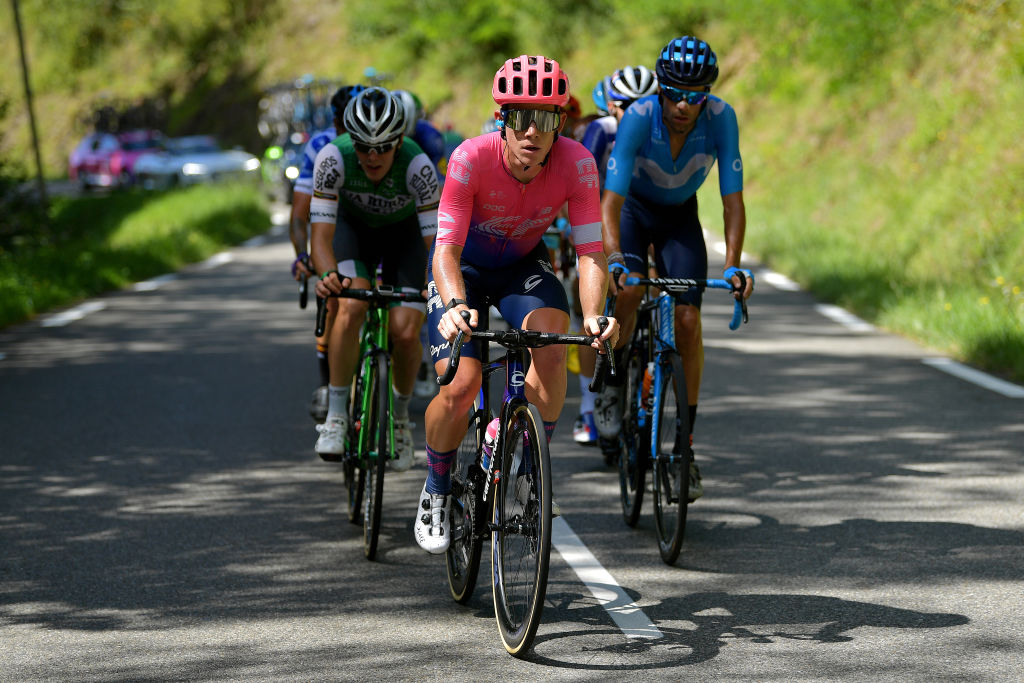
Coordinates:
(375, 198)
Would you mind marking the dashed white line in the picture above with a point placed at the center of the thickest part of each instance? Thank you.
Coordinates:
(977, 377)
(844, 318)
(216, 260)
(779, 281)
(620, 607)
(73, 314)
(153, 283)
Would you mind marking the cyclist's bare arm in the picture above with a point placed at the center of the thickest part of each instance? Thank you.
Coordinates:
(450, 285)
(734, 217)
(611, 213)
(593, 272)
(298, 231)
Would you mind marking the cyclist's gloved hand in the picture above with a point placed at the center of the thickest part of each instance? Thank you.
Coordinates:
(300, 266)
(746, 279)
(331, 282)
(617, 267)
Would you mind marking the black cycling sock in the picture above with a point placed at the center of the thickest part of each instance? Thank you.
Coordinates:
(693, 417)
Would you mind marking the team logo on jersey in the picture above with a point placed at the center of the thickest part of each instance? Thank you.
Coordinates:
(737, 165)
(445, 224)
(424, 184)
(433, 298)
(531, 282)
(496, 208)
(459, 167)
(587, 170)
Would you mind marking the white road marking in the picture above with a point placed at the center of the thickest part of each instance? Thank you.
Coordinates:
(216, 260)
(977, 377)
(778, 281)
(154, 283)
(73, 314)
(620, 607)
(844, 318)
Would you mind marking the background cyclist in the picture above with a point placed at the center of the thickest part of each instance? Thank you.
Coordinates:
(501, 193)
(299, 231)
(617, 92)
(375, 199)
(664, 148)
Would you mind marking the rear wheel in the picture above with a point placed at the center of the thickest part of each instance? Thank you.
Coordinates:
(378, 452)
(521, 542)
(634, 453)
(672, 457)
(467, 520)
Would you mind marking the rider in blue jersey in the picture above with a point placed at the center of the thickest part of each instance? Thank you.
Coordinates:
(299, 231)
(423, 133)
(664, 148)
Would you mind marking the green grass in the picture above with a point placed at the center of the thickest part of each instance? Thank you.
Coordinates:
(99, 244)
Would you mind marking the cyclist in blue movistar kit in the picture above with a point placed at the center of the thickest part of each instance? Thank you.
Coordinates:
(664, 149)
(299, 230)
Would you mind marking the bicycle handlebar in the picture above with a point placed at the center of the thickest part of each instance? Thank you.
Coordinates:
(379, 294)
(517, 338)
(679, 284)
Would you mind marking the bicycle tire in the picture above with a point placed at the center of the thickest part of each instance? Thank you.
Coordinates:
(467, 520)
(378, 452)
(521, 538)
(354, 467)
(672, 455)
(635, 449)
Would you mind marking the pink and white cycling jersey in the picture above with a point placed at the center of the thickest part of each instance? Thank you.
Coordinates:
(499, 220)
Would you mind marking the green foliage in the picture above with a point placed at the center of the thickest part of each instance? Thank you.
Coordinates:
(110, 242)
(879, 138)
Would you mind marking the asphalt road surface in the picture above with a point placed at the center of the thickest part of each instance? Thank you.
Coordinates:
(163, 515)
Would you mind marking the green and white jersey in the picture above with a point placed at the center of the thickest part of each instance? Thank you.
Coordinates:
(410, 187)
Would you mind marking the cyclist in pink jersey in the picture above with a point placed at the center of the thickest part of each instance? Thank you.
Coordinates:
(502, 191)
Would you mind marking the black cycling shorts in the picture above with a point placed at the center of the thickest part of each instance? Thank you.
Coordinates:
(675, 232)
(398, 248)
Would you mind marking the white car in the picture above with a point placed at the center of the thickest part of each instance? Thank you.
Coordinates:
(194, 159)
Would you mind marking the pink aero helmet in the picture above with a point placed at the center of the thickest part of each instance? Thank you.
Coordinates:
(530, 80)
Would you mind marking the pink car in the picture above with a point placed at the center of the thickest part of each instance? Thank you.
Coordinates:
(108, 160)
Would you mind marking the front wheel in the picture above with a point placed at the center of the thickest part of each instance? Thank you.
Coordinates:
(521, 542)
(672, 458)
(634, 453)
(467, 519)
(378, 451)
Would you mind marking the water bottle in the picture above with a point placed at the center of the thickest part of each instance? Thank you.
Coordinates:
(490, 437)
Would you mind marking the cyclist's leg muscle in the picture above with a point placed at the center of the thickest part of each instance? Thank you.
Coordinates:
(546, 379)
(443, 432)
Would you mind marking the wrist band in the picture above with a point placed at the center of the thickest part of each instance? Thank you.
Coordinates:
(453, 303)
(616, 257)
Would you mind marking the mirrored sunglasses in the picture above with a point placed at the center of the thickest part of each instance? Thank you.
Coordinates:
(381, 148)
(520, 119)
(691, 97)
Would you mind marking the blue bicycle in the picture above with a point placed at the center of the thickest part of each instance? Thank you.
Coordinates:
(656, 420)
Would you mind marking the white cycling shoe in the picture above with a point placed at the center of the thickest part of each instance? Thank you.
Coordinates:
(403, 447)
(432, 529)
(331, 444)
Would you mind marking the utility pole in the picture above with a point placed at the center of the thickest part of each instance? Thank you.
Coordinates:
(40, 182)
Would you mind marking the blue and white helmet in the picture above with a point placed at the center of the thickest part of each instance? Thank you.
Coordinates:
(630, 83)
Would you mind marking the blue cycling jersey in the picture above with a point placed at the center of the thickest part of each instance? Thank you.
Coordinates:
(599, 138)
(304, 183)
(431, 141)
(641, 162)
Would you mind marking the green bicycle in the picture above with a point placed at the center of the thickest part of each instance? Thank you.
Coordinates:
(371, 438)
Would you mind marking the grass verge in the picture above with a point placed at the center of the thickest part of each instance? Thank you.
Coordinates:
(101, 243)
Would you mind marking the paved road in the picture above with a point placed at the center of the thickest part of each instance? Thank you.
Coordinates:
(163, 516)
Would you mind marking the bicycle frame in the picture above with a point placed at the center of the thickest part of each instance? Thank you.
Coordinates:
(373, 342)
